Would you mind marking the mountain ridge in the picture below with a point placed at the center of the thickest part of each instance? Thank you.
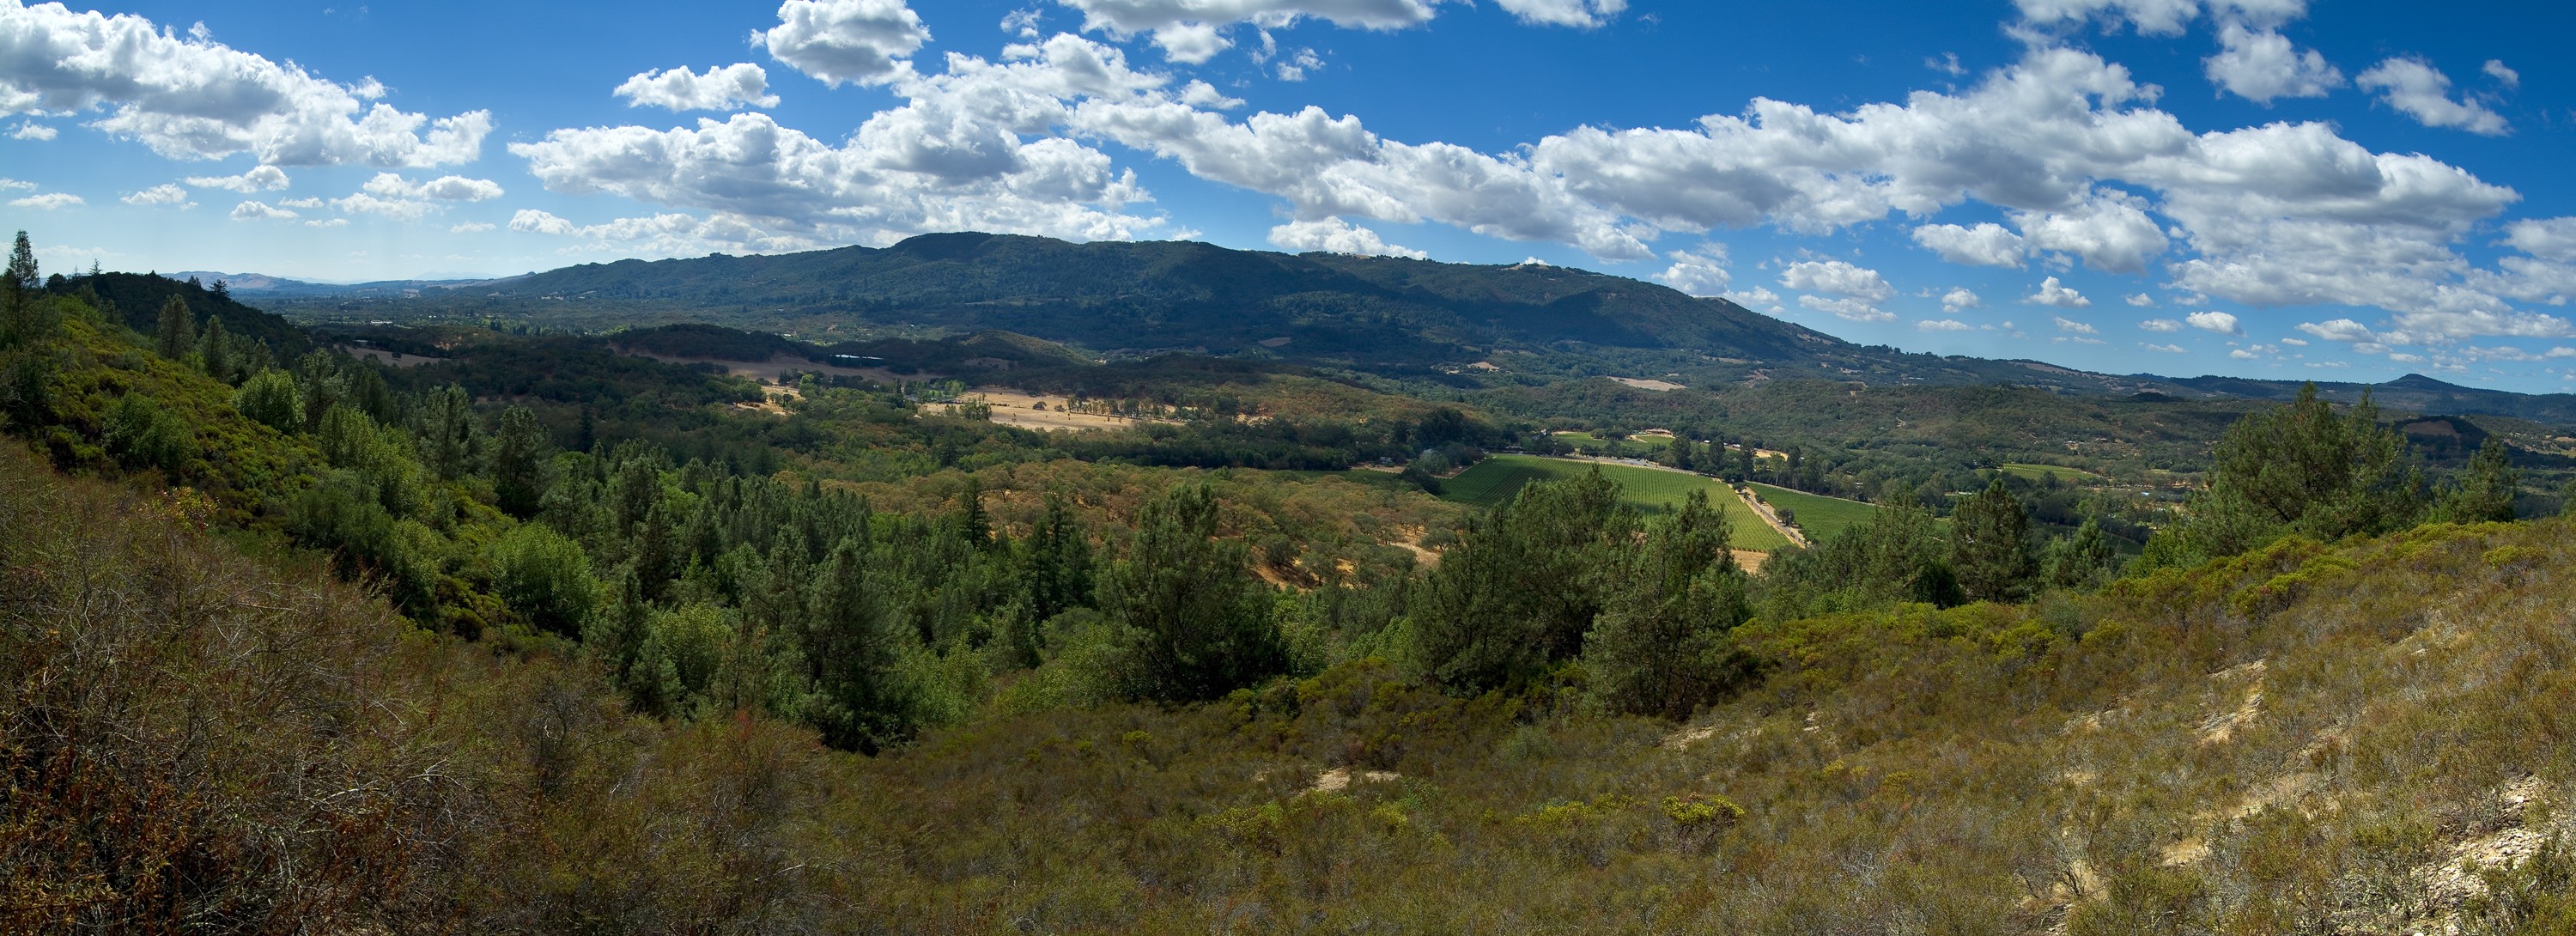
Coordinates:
(1391, 314)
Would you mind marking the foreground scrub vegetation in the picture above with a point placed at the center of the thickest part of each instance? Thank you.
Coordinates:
(2301, 739)
(308, 652)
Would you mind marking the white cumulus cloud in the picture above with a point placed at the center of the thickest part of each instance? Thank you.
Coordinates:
(956, 156)
(2261, 66)
(162, 194)
(1986, 244)
(2070, 325)
(193, 98)
(1959, 299)
(1854, 309)
(2345, 330)
(49, 201)
(31, 130)
(1837, 277)
(1581, 14)
(2141, 300)
(443, 188)
(2546, 238)
(2164, 348)
(1699, 272)
(2053, 293)
(259, 210)
(258, 179)
(2416, 89)
(2219, 322)
(679, 89)
(2161, 325)
(1942, 325)
(836, 41)
(1334, 235)
(2495, 68)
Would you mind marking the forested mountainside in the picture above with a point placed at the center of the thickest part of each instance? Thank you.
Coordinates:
(1384, 314)
(541, 636)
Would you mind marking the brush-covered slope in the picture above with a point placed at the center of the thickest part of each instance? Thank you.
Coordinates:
(2365, 738)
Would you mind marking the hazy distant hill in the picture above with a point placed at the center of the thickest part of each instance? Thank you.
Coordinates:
(1125, 298)
(2411, 392)
(263, 286)
(1119, 296)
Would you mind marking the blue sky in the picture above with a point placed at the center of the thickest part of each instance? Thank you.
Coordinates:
(2339, 190)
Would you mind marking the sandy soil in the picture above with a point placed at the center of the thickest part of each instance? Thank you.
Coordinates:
(1018, 408)
(1640, 383)
(387, 357)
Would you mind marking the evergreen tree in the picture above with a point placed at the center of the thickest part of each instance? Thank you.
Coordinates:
(2483, 493)
(22, 268)
(615, 635)
(1196, 626)
(518, 462)
(972, 521)
(449, 438)
(178, 332)
(270, 398)
(1523, 585)
(1055, 563)
(852, 654)
(1659, 647)
(18, 299)
(545, 577)
(215, 350)
(2295, 469)
(1679, 454)
(2082, 560)
(1990, 545)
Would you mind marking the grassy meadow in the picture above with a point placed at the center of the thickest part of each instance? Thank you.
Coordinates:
(2034, 472)
(1651, 490)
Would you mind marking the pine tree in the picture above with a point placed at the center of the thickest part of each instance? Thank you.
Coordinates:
(2483, 493)
(1056, 562)
(1523, 586)
(178, 332)
(18, 295)
(1188, 603)
(852, 651)
(1990, 545)
(518, 462)
(215, 351)
(1659, 647)
(2082, 560)
(449, 438)
(2295, 469)
(270, 399)
(971, 518)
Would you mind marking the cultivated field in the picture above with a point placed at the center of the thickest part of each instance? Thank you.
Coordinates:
(2034, 472)
(1651, 490)
(1820, 516)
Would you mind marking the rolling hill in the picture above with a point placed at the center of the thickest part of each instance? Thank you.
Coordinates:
(1386, 314)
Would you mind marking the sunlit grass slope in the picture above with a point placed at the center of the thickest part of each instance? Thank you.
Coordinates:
(1496, 479)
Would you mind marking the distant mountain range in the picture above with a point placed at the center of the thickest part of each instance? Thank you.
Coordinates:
(1386, 314)
(260, 285)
